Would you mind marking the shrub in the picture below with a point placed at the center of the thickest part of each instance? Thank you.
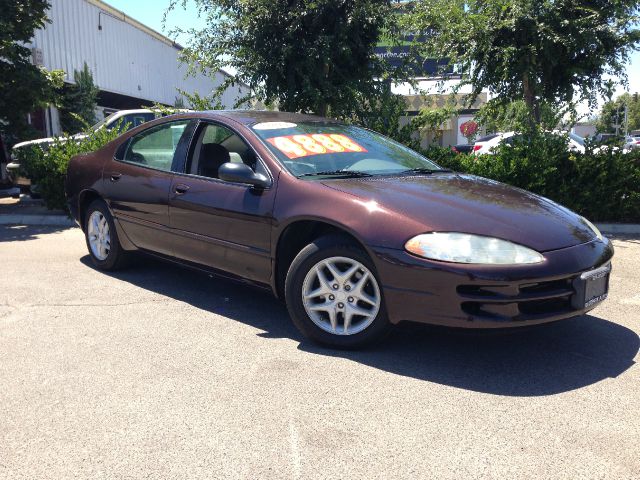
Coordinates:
(602, 186)
(47, 167)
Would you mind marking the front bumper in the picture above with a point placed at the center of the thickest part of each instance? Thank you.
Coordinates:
(13, 172)
(476, 296)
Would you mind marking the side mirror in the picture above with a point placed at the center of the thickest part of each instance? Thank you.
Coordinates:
(241, 173)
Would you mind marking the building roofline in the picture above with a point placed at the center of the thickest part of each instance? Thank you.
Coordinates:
(120, 15)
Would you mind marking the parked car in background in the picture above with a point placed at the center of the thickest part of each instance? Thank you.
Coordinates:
(355, 232)
(632, 142)
(606, 139)
(125, 119)
(463, 148)
(487, 144)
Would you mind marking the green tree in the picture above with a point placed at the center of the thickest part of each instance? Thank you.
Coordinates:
(497, 116)
(308, 55)
(78, 102)
(613, 112)
(24, 87)
(383, 113)
(430, 120)
(554, 51)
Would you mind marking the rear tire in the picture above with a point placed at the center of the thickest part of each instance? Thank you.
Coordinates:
(102, 238)
(334, 296)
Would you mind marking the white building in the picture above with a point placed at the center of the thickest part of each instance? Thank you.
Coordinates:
(132, 64)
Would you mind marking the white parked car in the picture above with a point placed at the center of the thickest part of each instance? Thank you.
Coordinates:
(127, 119)
(631, 142)
(487, 144)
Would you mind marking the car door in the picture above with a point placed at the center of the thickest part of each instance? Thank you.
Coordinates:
(223, 225)
(137, 183)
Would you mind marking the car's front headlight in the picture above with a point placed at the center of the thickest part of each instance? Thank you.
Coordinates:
(467, 248)
(595, 230)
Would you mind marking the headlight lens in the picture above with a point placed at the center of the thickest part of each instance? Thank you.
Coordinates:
(467, 248)
(593, 227)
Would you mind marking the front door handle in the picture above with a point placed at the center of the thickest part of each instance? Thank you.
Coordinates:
(181, 189)
(115, 177)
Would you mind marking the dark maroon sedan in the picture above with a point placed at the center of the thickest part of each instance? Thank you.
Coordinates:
(355, 231)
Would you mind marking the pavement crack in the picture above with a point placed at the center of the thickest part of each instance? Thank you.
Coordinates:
(117, 304)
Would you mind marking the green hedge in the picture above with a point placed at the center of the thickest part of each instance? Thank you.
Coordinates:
(47, 167)
(602, 186)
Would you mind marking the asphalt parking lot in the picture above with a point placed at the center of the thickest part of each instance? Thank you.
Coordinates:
(160, 372)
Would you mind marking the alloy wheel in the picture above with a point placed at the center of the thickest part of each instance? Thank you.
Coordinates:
(99, 235)
(341, 296)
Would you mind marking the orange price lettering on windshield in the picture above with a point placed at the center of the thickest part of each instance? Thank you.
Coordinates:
(296, 146)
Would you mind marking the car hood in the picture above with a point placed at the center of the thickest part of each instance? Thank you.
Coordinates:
(46, 142)
(450, 202)
(38, 141)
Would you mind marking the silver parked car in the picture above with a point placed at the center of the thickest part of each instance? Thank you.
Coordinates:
(631, 142)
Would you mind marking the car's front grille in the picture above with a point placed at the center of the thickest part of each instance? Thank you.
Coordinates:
(527, 301)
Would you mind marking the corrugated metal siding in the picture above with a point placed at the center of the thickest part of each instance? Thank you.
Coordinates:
(122, 58)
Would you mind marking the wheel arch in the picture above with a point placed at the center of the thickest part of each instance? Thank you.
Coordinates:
(298, 234)
(84, 200)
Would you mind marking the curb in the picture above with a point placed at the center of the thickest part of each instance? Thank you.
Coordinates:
(42, 220)
(622, 228)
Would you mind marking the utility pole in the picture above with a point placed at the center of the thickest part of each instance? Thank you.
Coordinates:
(626, 119)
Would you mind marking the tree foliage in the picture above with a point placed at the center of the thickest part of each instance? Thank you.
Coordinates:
(497, 116)
(603, 185)
(613, 112)
(78, 102)
(24, 87)
(47, 167)
(554, 51)
(308, 55)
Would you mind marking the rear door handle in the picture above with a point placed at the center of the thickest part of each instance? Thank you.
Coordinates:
(115, 177)
(181, 189)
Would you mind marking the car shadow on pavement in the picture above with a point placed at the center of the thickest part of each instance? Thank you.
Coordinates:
(543, 360)
(13, 233)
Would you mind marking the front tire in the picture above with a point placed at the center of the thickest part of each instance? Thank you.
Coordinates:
(102, 239)
(334, 296)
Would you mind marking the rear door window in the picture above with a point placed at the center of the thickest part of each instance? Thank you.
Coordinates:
(156, 147)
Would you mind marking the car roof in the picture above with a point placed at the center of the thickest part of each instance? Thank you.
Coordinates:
(128, 112)
(250, 117)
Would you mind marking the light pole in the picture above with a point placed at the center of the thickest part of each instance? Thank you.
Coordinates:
(626, 119)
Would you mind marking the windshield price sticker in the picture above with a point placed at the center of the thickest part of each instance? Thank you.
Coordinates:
(296, 146)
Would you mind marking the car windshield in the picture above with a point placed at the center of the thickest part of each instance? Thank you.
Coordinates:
(104, 121)
(126, 122)
(314, 149)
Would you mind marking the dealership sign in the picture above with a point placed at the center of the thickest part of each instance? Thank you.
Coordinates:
(399, 56)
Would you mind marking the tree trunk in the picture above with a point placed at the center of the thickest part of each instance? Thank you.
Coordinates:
(531, 101)
(323, 109)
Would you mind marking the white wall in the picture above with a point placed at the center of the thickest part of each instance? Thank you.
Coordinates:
(124, 59)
